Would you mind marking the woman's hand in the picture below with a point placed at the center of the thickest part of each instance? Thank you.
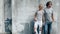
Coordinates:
(35, 19)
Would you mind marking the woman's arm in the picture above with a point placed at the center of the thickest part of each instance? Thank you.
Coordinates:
(52, 16)
(35, 17)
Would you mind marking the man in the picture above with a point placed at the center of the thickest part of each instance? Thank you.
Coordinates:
(49, 17)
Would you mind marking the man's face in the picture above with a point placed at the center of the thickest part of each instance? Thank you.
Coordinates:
(50, 5)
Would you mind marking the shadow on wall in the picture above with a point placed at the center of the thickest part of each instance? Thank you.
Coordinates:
(8, 26)
(26, 29)
(32, 27)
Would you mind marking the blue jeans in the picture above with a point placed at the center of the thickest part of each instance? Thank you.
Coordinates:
(47, 28)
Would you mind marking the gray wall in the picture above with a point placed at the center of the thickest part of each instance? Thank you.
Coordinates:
(7, 9)
(1, 16)
(7, 16)
(23, 13)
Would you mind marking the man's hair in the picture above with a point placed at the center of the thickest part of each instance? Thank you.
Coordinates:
(48, 3)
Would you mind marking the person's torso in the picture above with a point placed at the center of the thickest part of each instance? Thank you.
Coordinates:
(48, 14)
(39, 15)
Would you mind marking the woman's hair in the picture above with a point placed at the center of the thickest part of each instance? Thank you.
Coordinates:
(40, 5)
(48, 3)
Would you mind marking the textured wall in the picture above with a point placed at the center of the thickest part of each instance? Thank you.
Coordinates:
(7, 16)
(23, 12)
(1, 16)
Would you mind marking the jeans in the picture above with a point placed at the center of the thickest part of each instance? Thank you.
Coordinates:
(47, 28)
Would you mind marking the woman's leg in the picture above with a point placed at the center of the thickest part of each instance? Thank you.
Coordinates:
(40, 30)
(35, 31)
(35, 28)
(40, 27)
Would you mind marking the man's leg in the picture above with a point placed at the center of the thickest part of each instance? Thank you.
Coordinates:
(45, 28)
(49, 27)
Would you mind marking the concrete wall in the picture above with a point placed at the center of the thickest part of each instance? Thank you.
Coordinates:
(23, 13)
(7, 16)
(1, 16)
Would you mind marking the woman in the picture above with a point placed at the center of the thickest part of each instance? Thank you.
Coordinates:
(38, 19)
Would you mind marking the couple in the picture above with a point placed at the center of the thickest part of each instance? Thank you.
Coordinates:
(44, 16)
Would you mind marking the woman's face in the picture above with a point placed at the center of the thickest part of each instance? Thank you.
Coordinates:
(40, 7)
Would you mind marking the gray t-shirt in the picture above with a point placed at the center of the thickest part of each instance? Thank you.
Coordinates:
(48, 12)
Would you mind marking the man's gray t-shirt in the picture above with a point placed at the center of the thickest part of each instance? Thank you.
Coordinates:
(48, 12)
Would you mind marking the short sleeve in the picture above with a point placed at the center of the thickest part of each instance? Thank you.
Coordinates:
(52, 12)
(35, 13)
